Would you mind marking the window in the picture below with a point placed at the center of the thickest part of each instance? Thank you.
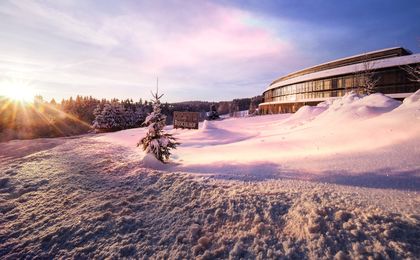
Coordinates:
(339, 83)
(318, 85)
(327, 84)
(310, 86)
(389, 77)
(348, 82)
(334, 84)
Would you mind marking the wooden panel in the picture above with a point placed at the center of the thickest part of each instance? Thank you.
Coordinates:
(188, 120)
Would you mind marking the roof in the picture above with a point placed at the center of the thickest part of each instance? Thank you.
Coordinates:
(349, 69)
(367, 56)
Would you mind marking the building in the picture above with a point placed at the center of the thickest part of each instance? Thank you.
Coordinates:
(333, 79)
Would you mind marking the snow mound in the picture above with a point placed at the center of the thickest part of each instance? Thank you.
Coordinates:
(353, 134)
(307, 113)
(207, 125)
(211, 134)
(413, 100)
(150, 161)
(353, 106)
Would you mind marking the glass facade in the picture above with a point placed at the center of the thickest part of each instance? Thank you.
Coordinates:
(390, 81)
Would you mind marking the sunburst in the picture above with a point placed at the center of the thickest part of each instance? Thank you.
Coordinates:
(17, 90)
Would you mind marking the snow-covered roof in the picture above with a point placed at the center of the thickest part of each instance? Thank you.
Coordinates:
(376, 64)
(372, 55)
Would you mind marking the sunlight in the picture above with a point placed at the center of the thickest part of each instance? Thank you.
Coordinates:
(17, 90)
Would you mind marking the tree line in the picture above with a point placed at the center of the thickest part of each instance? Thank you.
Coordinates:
(82, 115)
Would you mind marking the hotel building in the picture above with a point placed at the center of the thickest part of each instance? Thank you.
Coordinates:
(333, 79)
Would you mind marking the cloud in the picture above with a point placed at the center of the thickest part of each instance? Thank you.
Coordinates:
(212, 51)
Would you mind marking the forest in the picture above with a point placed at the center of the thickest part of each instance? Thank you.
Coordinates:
(81, 115)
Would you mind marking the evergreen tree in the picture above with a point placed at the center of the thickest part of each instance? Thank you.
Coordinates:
(139, 116)
(156, 141)
(213, 115)
(106, 118)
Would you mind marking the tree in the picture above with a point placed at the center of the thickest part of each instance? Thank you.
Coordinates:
(156, 141)
(366, 79)
(253, 106)
(234, 107)
(413, 72)
(213, 115)
(110, 117)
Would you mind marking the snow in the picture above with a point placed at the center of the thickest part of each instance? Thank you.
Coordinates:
(350, 69)
(235, 188)
(351, 135)
(150, 161)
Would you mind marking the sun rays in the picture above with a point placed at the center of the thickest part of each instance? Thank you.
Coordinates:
(17, 90)
(36, 119)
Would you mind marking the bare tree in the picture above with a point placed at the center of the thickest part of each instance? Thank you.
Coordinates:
(367, 79)
(413, 72)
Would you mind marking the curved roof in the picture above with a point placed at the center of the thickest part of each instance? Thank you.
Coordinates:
(368, 56)
(348, 69)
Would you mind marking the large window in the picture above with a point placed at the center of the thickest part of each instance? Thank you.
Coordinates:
(318, 85)
(327, 84)
(393, 80)
(348, 82)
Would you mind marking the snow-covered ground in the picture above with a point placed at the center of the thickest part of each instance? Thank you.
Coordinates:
(235, 188)
(372, 141)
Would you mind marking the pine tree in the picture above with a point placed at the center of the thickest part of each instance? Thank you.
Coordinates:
(107, 118)
(97, 122)
(139, 116)
(213, 115)
(156, 141)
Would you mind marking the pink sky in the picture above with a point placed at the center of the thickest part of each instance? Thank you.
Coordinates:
(207, 51)
(200, 50)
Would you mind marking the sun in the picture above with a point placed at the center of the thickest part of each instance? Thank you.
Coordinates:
(17, 91)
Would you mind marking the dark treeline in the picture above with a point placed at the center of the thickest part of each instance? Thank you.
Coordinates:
(81, 115)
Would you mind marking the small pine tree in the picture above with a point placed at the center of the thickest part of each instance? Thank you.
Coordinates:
(213, 115)
(156, 141)
(98, 121)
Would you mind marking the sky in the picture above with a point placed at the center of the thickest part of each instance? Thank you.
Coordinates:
(200, 50)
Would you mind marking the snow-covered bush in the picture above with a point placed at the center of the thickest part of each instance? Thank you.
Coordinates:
(212, 115)
(115, 116)
(106, 117)
(156, 141)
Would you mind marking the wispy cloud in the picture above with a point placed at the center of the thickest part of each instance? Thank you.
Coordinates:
(68, 24)
(202, 48)
(199, 49)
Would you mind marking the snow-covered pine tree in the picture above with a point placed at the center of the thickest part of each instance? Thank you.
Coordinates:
(119, 117)
(139, 116)
(109, 118)
(156, 141)
(98, 121)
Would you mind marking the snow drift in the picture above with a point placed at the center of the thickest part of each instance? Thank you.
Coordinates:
(101, 197)
(353, 135)
(84, 199)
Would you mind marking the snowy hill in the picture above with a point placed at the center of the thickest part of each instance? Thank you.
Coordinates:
(353, 135)
(235, 188)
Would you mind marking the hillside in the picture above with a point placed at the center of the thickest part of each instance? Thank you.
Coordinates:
(337, 180)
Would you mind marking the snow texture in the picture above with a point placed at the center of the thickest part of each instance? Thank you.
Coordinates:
(244, 194)
(361, 139)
